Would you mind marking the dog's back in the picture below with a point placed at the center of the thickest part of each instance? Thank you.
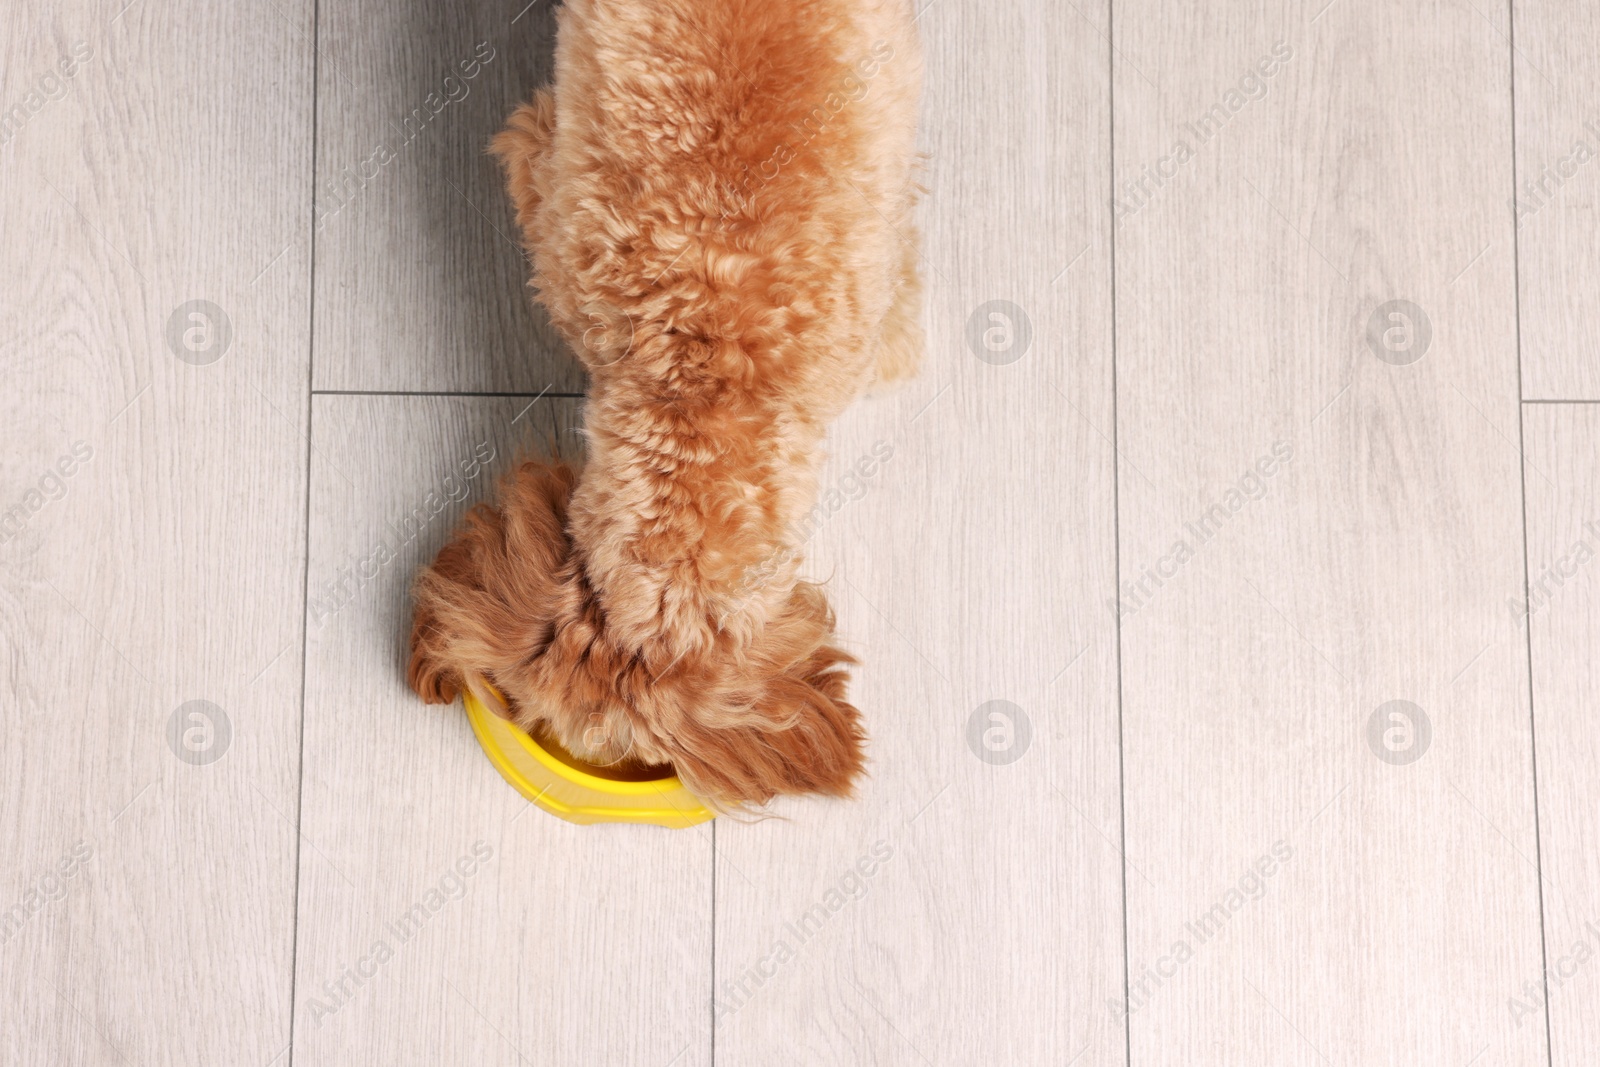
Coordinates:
(733, 167)
(717, 196)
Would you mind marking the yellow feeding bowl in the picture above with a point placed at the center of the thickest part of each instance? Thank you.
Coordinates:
(568, 788)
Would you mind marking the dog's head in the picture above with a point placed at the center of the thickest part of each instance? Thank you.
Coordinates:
(507, 605)
(739, 724)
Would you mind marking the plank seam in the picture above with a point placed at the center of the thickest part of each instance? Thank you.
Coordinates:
(444, 392)
(1116, 505)
(1522, 472)
(305, 589)
(713, 943)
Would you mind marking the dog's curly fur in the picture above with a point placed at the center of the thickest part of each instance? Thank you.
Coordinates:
(717, 198)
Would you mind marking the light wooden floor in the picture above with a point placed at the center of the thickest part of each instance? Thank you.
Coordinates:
(1227, 602)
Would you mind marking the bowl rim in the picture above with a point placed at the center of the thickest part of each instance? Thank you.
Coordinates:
(562, 769)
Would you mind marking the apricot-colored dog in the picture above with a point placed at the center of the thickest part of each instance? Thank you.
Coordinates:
(717, 197)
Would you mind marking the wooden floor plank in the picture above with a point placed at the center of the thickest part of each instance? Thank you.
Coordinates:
(1563, 613)
(1319, 516)
(966, 908)
(1557, 199)
(419, 279)
(562, 944)
(151, 547)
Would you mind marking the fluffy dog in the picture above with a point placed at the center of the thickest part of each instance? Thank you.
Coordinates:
(717, 197)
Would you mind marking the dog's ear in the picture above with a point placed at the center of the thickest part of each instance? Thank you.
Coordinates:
(442, 598)
(798, 735)
(494, 586)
